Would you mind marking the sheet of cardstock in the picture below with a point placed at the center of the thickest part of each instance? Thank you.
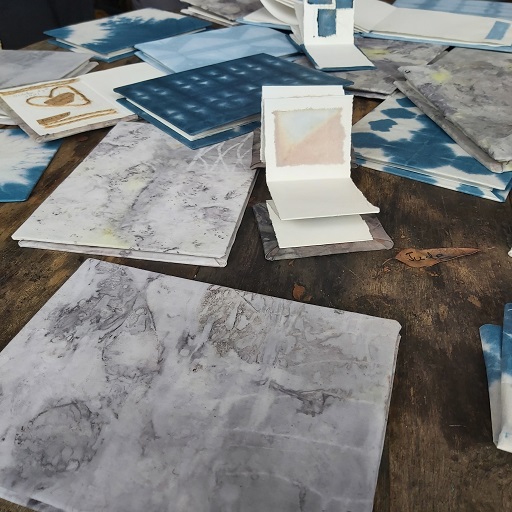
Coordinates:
(375, 18)
(22, 163)
(159, 392)
(56, 109)
(322, 231)
(380, 240)
(263, 18)
(22, 67)
(192, 51)
(397, 134)
(307, 153)
(505, 437)
(486, 8)
(490, 336)
(470, 90)
(115, 36)
(325, 31)
(284, 13)
(141, 194)
(212, 100)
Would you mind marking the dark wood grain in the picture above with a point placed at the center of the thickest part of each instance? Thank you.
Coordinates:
(438, 455)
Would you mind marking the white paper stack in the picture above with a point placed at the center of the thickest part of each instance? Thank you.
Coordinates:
(306, 147)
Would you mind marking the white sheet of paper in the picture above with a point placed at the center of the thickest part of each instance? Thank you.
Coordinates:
(320, 231)
(282, 12)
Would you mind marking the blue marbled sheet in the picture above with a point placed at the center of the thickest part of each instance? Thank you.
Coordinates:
(398, 138)
(22, 163)
(115, 33)
(190, 51)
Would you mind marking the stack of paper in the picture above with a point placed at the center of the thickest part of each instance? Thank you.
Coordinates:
(398, 138)
(487, 8)
(221, 12)
(306, 147)
(56, 109)
(141, 194)
(387, 56)
(22, 67)
(497, 350)
(467, 93)
(325, 31)
(210, 104)
(113, 38)
(375, 18)
(165, 394)
(22, 163)
(192, 51)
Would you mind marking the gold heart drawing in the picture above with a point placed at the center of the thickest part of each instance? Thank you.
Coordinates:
(64, 96)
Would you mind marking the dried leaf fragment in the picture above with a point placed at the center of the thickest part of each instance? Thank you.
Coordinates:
(428, 257)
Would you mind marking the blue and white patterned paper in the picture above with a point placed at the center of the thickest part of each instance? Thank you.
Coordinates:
(192, 51)
(22, 163)
(399, 139)
(485, 8)
(208, 105)
(120, 33)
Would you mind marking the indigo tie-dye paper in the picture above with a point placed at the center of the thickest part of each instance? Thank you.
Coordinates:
(211, 104)
(497, 350)
(107, 36)
(399, 139)
(192, 51)
(470, 90)
(132, 391)
(22, 162)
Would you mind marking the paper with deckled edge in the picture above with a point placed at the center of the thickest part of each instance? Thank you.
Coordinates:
(141, 194)
(323, 231)
(306, 145)
(490, 337)
(505, 437)
(378, 18)
(173, 330)
(55, 109)
(328, 40)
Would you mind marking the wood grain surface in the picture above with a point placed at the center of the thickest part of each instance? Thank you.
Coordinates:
(438, 454)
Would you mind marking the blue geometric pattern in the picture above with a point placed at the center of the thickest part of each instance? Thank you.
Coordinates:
(123, 31)
(22, 163)
(218, 96)
(326, 22)
(398, 138)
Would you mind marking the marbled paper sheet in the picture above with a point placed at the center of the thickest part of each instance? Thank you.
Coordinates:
(133, 391)
(142, 194)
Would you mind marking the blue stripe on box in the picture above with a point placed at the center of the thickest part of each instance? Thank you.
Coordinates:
(344, 4)
(319, 2)
(498, 31)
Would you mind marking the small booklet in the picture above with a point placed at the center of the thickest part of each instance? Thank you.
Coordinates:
(375, 18)
(114, 37)
(213, 103)
(306, 146)
(59, 108)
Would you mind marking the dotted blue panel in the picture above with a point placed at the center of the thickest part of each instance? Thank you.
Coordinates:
(212, 96)
(326, 22)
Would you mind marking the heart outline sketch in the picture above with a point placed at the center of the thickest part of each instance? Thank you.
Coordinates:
(60, 96)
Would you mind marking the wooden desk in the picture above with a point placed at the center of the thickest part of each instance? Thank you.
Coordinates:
(438, 455)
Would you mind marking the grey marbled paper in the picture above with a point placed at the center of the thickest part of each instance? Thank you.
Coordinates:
(470, 90)
(142, 194)
(132, 391)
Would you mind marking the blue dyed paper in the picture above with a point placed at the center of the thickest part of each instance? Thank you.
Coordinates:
(113, 37)
(191, 51)
(22, 163)
(216, 99)
(399, 139)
